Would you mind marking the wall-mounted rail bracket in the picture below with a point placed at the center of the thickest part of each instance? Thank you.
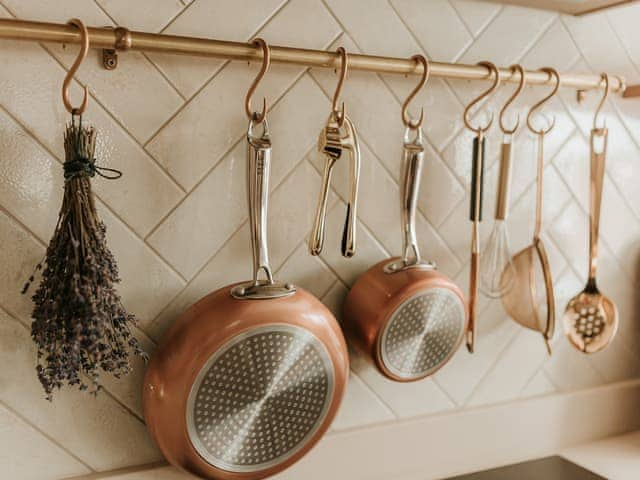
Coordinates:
(122, 42)
(632, 91)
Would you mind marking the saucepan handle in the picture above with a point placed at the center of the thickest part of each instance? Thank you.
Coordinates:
(413, 160)
(258, 169)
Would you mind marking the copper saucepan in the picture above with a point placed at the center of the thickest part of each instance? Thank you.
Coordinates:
(249, 378)
(403, 312)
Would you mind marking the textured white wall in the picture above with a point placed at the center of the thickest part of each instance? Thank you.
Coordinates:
(177, 219)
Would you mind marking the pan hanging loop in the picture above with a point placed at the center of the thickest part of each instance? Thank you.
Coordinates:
(82, 54)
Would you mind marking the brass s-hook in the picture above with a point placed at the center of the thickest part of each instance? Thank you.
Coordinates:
(553, 73)
(426, 69)
(518, 91)
(495, 73)
(605, 78)
(266, 61)
(84, 49)
(344, 66)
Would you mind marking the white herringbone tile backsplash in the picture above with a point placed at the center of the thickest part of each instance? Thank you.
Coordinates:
(177, 220)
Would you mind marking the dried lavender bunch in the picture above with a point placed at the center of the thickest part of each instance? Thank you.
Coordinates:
(80, 326)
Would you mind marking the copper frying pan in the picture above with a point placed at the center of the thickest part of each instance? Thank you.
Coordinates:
(406, 315)
(249, 378)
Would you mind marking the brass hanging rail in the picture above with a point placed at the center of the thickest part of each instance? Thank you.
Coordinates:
(123, 39)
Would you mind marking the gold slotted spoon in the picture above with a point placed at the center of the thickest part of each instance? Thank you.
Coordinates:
(591, 319)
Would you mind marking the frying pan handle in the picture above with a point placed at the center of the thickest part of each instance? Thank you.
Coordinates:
(258, 169)
(598, 159)
(412, 162)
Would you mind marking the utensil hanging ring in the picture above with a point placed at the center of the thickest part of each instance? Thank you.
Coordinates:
(605, 79)
(553, 73)
(518, 91)
(266, 61)
(426, 70)
(84, 49)
(344, 67)
(495, 73)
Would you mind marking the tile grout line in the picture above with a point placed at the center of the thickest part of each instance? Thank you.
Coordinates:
(464, 24)
(37, 429)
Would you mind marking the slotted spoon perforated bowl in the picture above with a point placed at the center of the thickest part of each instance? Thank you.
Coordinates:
(406, 315)
(249, 378)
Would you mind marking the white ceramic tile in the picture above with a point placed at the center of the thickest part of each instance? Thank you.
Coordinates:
(464, 371)
(24, 451)
(407, 399)
(476, 15)
(211, 19)
(147, 282)
(306, 271)
(360, 407)
(368, 250)
(503, 382)
(569, 232)
(140, 15)
(555, 48)
(539, 385)
(568, 369)
(419, 17)
(19, 255)
(192, 233)
(99, 431)
(603, 52)
(231, 264)
(214, 120)
(521, 25)
(375, 27)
